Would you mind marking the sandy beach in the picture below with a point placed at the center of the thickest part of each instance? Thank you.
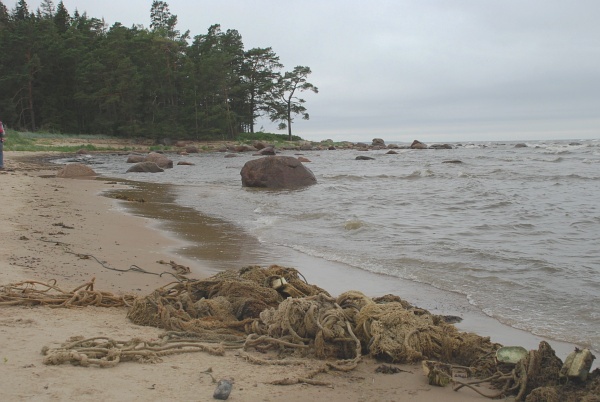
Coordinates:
(48, 225)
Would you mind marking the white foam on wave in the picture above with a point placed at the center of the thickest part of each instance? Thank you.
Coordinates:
(265, 222)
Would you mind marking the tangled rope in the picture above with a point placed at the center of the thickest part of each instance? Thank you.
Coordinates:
(33, 293)
(107, 352)
(220, 306)
(316, 324)
(180, 270)
(275, 310)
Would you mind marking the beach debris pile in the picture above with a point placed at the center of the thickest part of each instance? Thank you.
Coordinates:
(275, 311)
(274, 308)
(222, 306)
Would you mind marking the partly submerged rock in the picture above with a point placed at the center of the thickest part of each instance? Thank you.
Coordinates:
(418, 145)
(276, 172)
(160, 159)
(145, 167)
(269, 150)
(76, 170)
(136, 158)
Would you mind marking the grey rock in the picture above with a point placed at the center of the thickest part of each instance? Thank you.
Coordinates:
(145, 167)
(223, 390)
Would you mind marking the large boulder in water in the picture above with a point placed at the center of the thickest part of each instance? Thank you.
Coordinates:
(145, 167)
(135, 158)
(418, 145)
(76, 170)
(276, 172)
(270, 150)
(160, 159)
(378, 142)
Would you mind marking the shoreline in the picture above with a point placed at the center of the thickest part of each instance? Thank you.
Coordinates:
(190, 227)
(48, 224)
(98, 225)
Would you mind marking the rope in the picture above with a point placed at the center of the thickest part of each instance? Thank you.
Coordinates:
(107, 352)
(132, 268)
(33, 293)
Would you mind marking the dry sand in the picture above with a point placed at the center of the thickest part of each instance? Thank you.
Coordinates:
(45, 222)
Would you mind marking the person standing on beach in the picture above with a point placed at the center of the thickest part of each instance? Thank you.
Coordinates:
(1, 146)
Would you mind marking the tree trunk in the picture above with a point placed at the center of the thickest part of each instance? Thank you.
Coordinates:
(289, 120)
(30, 92)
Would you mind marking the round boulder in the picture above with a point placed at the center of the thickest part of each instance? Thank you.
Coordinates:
(76, 170)
(145, 167)
(269, 150)
(276, 172)
(418, 145)
(160, 159)
(135, 158)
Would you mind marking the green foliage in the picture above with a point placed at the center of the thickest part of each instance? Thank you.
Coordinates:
(17, 142)
(284, 103)
(267, 137)
(35, 142)
(155, 148)
(73, 74)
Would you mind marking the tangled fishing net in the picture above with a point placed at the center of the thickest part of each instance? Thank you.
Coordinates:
(222, 306)
(275, 310)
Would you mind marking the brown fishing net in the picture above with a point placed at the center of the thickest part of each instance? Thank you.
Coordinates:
(223, 304)
(274, 309)
(314, 324)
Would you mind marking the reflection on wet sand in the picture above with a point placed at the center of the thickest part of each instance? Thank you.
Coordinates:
(218, 244)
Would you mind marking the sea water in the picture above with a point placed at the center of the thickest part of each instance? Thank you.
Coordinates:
(514, 230)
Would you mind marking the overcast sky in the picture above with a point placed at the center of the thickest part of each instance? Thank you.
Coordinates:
(432, 70)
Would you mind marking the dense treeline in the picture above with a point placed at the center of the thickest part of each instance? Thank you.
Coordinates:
(71, 74)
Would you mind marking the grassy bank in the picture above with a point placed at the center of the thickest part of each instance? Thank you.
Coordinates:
(50, 142)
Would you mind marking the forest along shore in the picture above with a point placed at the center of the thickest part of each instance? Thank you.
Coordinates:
(51, 228)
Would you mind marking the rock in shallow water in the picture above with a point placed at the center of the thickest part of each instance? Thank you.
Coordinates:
(276, 172)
